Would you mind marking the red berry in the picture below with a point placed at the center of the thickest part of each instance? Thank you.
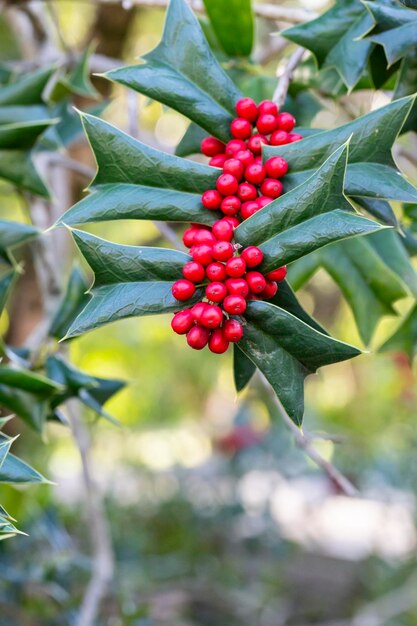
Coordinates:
(245, 156)
(263, 201)
(270, 290)
(198, 337)
(188, 236)
(258, 160)
(211, 199)
(255, 173)
(285, 121)
(183, 290)
(235, 305)
(182, 322)
(276, 167)
(212, 316)
(222, 250)
(197, 311)
(278, 274)
(256, 281)
(256, 142)
(294, 137)
(246, 108)
(266, 124)
(232, 330)
(217, 342)
(235, 267)
(204, 236)
(223, 230)
(210, 146)
(227, 184)
(252, 256)
(234, 221)
(279, 138)
(202, 254)
(271, 187)
(246, 191)
(234, 167)
(249, 208)
(194, 271)
(216, 291)
(216, 271)
(230, 205)
(240, 128)
(267, 107)
(234, 146)
(237, 287)
(218, 160)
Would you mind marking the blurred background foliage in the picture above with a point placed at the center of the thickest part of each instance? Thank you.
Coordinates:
(216, 517)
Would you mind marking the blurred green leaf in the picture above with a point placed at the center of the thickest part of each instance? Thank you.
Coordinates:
(74, 300)
(404, 338)
(234, 27)
(26, 89)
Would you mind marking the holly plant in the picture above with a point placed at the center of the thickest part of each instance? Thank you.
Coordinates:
(257, 199)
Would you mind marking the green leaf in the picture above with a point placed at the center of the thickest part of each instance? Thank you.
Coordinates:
(14, 470)
(333, 39)
(287, 350)
(302, 270)
(16, 166)
(391, 248)
(234, 27)
(306, 218)
(13, 114)
(78, 81)
(74, 300)
(28, 381)
(405, 337)
(5, 445)
(183, 73)
(6, 282)
(22, 135)
(243, 368)
(394, 28)
(407, 85)
(191, 141)
(27, 89)
(135, 181)
(14, 234)
(129, 281)
(371, 170)
(380, 209)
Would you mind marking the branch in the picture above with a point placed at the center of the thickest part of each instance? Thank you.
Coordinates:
(103, 563)
(268, 11)
(285, 78)
(305, 443)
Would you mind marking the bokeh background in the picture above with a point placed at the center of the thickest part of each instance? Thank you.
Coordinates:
(217, 518)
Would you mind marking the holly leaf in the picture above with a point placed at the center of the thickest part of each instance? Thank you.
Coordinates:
(404, 338)
(371, 170)
(135, 181)
(393, 27)
(14, 470)
(234, 28)
(13, 234)
(407, 85)
(74, 300)
(191, 141)
(287, 350)
(28, 89)
(333, 39)
(183, 73)
(129, 281)
(306, 218)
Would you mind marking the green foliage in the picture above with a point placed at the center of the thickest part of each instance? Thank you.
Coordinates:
(234, 27)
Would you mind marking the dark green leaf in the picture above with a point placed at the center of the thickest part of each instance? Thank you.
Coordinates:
(371, 171)
(27, 89)
(183, 73)
(394, 28)
(287, 350)
(407, 85)
(306, 218)
(146, 277)
(14, 470)
(333, 39)
(22, 135)
(302, 270)
(73, 302)
(243, 368)
(16, 166)
(14, 234)
(234, 27)
(191, 141)
(286, 299)
(380, 209)
(28, 381)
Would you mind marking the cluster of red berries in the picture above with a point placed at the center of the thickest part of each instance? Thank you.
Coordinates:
(226, 271)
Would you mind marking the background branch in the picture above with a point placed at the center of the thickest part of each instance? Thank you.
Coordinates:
(285, 78)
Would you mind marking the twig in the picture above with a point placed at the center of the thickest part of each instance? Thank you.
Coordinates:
(337, 478)
(102, 571)
(268, 11)
(285, 78)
